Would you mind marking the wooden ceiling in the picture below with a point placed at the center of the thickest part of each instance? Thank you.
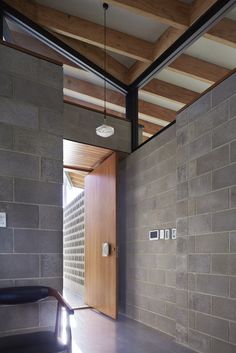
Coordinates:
(161, 98)
(80, 159)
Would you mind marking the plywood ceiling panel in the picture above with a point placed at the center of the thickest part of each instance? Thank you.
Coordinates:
(83, 157)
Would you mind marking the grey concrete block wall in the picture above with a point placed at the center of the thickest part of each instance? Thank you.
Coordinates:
(31, 159)
(79, 125)
(201, 297)
(74, 245)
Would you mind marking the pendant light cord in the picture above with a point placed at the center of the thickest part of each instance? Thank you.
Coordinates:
(105, 7)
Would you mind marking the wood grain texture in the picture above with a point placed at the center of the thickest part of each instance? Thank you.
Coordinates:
(197, 68)
(84, 30)
(199, 7)
(224, 32)
(100, 227)
(169, 91)
(81, 156)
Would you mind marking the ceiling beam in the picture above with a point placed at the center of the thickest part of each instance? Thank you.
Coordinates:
(171, 12)
(150, 128)
(199, 7)
(147, 109)
(169, 91)
(197, 68)
(224, 32)
(83, 30)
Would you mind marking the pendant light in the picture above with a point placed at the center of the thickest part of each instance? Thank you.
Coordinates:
(105, 130)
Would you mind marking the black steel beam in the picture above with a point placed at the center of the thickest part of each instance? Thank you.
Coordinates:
(215, 13)
(58, 45)
(132, 114)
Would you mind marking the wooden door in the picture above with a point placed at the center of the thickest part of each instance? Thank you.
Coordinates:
(100, 227)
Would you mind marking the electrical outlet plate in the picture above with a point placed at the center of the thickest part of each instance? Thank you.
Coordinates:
(173, 233)
(3, 220)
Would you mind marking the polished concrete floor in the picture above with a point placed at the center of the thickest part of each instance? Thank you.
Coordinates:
(93, 332)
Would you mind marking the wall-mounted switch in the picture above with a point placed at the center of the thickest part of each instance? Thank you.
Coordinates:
(154, 235)
(3, 220)
(162, 234)
(173, 233)
(167, 234)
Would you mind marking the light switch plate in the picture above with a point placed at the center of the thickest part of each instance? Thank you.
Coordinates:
(162, 234)
(3, 219)
(167, 234)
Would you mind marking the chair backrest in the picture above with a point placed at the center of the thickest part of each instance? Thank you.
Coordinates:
(21, 295)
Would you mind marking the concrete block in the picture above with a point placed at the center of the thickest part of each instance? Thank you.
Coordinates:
(233, 287)
(232, 106)
(47, 313)
(182, 317)
(50, 121)
(224, 308)
(212, 243)
(213, 284)
(182, 209)
(219, 346)
(181, 280)
(224, 264)
(211, 119)
(6, 189)
(200, 147)
(19, 266)
(148, 318)
(200, 302)
(166, 261)
(154, 276)
(181, 298)
(199, 263)
(54, 282)
(224, 221)
(170, 310)
(6, 241)
(6, 283)
(170, 278)
(181, 262)
(6, 138)
(155, 306)
(233, 197)
(182, 154)
(20, 215)
(233, 151)
(52, 170)
(19, 317)
(165, 324)
(199, 342)
(200, 224)
(38, 94)
(19, 165)
(51, 265)
(182, 191)
(182, 173)
(199, 185)
(200, 106)
(233, 242)
(213, 160)
(17, 62)
(181, 335)
(215, 201)
(224, 90)
(37, 241)
(6, 88)
(169, 294)
(50, 74)
(40, 143)
(50, 217)
(18, 113)
(37, 192)
(232, 332)
(224, 134)
(185, 245)
(182, 136)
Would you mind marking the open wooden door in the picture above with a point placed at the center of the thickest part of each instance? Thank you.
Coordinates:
(100, 228)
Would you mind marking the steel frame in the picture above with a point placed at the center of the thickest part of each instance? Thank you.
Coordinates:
(214, 14)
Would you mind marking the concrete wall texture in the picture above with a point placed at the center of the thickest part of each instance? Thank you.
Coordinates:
(73, 239)
(185, 177)
(31, 160)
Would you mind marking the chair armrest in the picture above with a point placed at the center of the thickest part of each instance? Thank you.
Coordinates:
(54, 293)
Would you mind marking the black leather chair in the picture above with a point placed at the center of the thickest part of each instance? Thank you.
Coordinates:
(40, 341)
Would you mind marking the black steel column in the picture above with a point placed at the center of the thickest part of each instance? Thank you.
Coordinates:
(132, 114)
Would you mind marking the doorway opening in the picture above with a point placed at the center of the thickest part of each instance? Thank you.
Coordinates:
(86, 182)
